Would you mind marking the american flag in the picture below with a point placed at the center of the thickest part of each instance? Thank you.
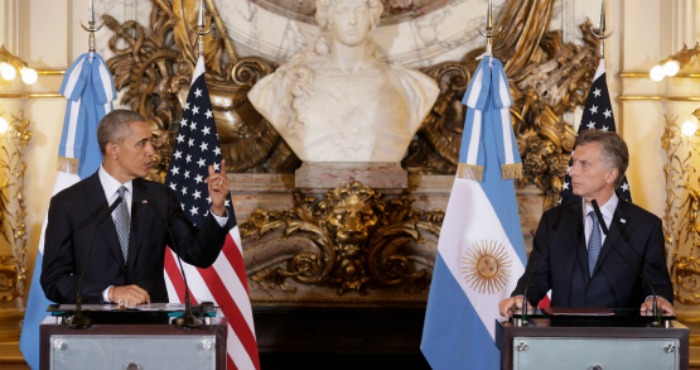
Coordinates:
(597, 114)
(224, 283)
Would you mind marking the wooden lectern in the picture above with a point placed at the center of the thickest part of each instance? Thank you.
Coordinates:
(583, 342)
(133, 341)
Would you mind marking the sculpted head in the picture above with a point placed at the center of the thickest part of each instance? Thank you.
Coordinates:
(348, 20)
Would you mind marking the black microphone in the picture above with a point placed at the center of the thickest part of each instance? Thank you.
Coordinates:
(542, 256)
(601, 221)
(77, 320)
(188, 319)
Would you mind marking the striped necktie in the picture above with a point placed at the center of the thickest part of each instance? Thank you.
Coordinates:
(122, 221)
(594, 242)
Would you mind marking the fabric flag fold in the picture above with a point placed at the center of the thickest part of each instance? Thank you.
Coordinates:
(488, 90)
(597, 114)
(481, 253)
(225, 283)
(90, 91)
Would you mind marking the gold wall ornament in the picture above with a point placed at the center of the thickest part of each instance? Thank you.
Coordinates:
(353, 239)
(548, 78)
(682, 211)
(13, 212)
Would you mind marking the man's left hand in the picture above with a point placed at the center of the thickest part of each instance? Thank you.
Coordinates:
(662, 305)
(217, 183)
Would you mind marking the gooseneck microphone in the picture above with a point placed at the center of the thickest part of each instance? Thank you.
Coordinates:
(542, 256)
(77, 320)
(188, 319)
(601, 221)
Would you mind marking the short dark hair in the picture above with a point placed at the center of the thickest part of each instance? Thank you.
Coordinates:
(615, 152)
(115, 126)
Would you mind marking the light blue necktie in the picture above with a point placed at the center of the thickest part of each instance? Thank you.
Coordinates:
(594, 242)
(122, 221)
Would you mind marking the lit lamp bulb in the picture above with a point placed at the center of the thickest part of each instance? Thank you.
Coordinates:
(29, 75)
(4, 126)
(671, 68)
(690, 126)
(657, 73)
(7, 71)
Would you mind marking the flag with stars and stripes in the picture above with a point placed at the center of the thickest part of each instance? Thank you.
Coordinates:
(224, 283)
(597, 114)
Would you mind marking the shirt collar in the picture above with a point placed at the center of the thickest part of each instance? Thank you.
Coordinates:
(607, 209)
(110, 185)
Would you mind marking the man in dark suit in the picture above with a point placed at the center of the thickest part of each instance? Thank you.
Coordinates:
(564, 251)
(125, 268)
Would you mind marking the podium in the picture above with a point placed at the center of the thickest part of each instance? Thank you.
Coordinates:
(132, 340)
(618, 339)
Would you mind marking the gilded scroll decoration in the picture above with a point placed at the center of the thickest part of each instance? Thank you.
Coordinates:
(13, 212)
(682, 211)
(353, 239)
(548, 79)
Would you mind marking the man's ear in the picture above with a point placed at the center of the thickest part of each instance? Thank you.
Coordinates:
(612, 175)
(111, 150)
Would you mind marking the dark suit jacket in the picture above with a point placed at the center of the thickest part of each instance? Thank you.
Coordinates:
(78, 218)
(633, 248)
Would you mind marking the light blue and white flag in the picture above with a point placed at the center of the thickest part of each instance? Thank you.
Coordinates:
(481, 253)
(90, 91)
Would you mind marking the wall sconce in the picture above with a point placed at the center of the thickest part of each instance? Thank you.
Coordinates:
(670, 66)
(690, 125)
(10, 65)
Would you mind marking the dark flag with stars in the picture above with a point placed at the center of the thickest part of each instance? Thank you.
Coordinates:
(597, 114)
(224, 283)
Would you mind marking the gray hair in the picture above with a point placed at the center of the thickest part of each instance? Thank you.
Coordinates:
(615, 152)
(116, 126)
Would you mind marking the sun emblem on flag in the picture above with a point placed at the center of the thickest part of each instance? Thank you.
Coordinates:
(486, 267)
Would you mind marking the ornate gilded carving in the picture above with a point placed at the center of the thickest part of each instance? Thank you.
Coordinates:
(553, 83)
(682, 211)
(13, 210)
(548, 80)
(352, 239)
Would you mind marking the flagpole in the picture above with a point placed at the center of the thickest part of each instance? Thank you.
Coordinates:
(91, 28)
(200, 29)
(489, 33)
(599, 33)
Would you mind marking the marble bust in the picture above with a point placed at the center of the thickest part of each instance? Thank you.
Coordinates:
(337, 101)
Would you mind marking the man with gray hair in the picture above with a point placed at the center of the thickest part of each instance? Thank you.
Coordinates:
(582, 265)
(122, 252)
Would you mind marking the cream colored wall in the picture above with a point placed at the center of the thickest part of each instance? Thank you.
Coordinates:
(647, 32)
(47, 34)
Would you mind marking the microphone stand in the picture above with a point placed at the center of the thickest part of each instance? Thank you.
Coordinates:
(189, 319)
(654, 303)
(77, 320)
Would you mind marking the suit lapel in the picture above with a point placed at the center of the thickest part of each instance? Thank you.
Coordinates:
(574, 228)
(141, 215)
(617, 226)
(96, 204)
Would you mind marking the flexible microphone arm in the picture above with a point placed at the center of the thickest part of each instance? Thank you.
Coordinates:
(188, 319)
(542, 256)
(77, 320)
(601, 222)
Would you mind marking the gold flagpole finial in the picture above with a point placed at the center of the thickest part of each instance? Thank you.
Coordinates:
(489, 33)
(91, 26)
(201, 32)
(599, 33)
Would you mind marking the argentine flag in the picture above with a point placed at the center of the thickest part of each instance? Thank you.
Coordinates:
(90, 91)
(480, 251)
